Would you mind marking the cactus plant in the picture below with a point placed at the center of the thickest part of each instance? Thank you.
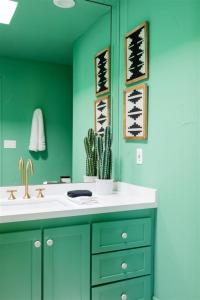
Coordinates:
(104, 155)
(91, 153)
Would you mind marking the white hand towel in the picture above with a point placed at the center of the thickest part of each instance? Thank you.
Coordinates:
(41, 133)
(37, 138)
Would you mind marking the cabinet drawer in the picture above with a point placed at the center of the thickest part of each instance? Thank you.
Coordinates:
(109, 267)
(132, 289)
(119, 235)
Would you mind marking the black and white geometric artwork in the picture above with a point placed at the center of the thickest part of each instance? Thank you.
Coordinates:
(102, 72)
(137, 54)
(101, 115)
(135, 113)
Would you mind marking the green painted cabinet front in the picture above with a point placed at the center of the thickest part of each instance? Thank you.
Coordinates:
(20, 265)
(67, 263)
(118, 235)
(132, 289)
(120, 265)
(53, 263)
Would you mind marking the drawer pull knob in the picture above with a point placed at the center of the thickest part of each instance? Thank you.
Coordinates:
(124, 235)
(124, 297)
(124, 266)
(37, 244)
(49, 243)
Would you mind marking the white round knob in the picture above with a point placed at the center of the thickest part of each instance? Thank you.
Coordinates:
(124, 297)
(124, 235)
(49, 243)
(124, 266)
(37, 244)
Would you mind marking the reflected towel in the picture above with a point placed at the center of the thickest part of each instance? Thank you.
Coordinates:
(37, 138)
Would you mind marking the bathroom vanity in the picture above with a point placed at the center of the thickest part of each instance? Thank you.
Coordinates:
(93, 251)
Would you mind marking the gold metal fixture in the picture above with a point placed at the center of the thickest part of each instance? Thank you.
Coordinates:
(12, 195)
(29, 165)
(40, 192)
(21, 168)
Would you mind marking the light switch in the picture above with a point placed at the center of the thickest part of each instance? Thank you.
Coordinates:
(10, 144)
(139, 156)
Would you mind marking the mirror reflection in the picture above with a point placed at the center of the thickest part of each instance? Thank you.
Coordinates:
(47, 86)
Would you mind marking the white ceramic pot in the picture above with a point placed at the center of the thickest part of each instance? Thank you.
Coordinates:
(89, 179)
(104, 186)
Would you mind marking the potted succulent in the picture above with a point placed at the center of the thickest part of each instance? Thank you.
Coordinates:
(91, 156)
(104, 182)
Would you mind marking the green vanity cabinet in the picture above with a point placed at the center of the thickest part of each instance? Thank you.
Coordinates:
(67, 263)
(93, 257)
(20, 265)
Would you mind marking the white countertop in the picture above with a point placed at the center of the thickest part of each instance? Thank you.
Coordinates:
(56, 205)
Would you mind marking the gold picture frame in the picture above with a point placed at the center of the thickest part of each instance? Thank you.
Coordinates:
(102, 72)
(101, 114)
(137, 54)
(135, 115)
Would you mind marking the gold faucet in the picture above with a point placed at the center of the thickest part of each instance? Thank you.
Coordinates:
(21, 168)
(29, 165)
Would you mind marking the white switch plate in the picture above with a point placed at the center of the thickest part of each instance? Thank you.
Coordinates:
(10, 144)
(139, 156)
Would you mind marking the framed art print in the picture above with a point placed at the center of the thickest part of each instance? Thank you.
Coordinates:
(135, 113)
(136, 43)
(102, 115)
(102, 72)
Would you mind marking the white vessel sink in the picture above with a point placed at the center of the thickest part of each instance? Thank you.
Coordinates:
(32, 205)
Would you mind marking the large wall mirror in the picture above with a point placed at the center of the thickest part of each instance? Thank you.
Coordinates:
(47, 58)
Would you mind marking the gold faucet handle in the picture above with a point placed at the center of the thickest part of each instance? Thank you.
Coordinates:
(40, 192)
(12, 194)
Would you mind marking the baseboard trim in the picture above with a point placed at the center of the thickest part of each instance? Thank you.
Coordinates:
(154, 298)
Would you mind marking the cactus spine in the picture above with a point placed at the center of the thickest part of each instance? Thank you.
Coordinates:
(91, 153)
(104, 155)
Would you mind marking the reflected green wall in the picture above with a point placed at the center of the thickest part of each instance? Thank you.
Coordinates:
(27, 85)
(171, 153)
(85, 49)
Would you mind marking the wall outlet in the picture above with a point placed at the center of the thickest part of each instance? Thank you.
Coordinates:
(9, 144)
(139, 156)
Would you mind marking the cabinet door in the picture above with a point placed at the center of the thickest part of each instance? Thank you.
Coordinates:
(20, 266)
(67, 263)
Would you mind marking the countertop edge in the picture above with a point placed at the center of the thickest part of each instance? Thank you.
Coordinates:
(75, 212)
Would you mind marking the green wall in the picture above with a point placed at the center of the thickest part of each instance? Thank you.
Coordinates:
(85, 49)
(171, 154)
(27, 85)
